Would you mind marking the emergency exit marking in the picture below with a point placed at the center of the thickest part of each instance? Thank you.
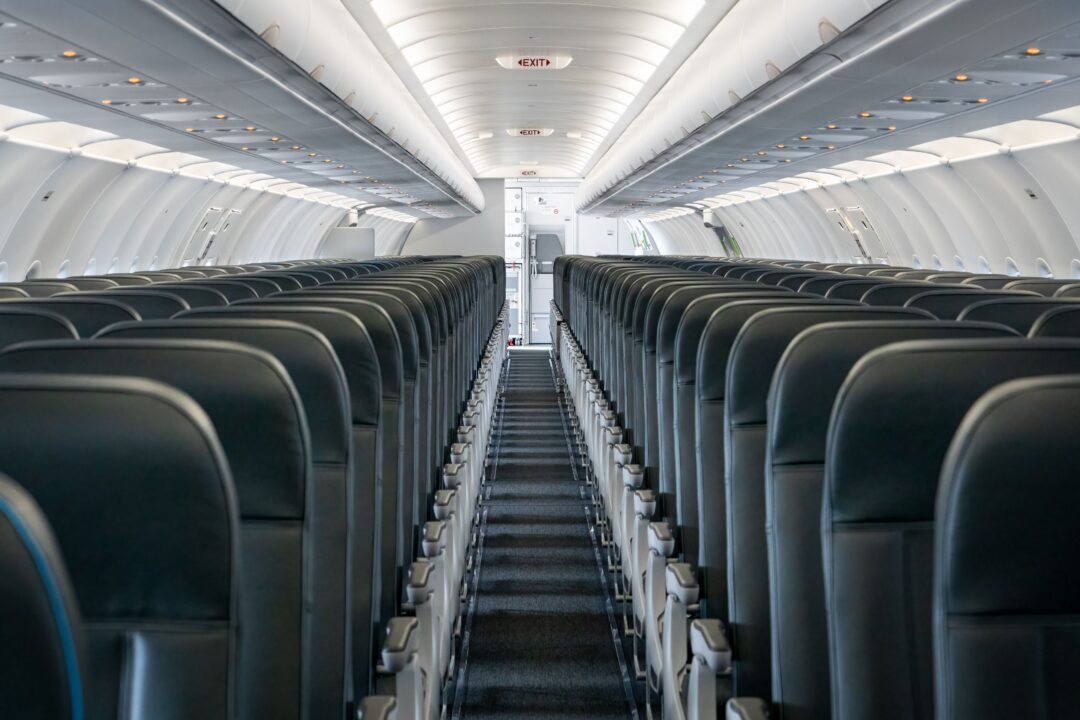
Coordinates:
(534, 62)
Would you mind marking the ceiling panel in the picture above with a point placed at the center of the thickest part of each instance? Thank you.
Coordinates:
(616, 48)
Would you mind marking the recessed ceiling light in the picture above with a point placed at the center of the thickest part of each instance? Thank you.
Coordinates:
(134, 80)
(961, 77)
(220, 116)
(865, 114)
(274, 138)
(70, 54)
(183, 100)
(106, 102)
(295, 147)
(245, 148)
(744, 159)
(804, 137)
(830, 147)
(189, 129)
(781, 146)
(983, 101)
(907, 98)
(250, 128)
(787, 160)
(760, 152)
(830, 126)
(891, 128)
(328, 160)
(1033, 51)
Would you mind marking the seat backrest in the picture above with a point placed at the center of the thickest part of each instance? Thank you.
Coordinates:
(948, 278)
(988, 282)
(150, 304)
(356, 352)
(1063, 321)
(88, 283)
(127, 279)
(1005, 601)
(314, 368)
(41, 643)
(753, 355)
(41, 288)
(259, 419)
(87, 314)
(131, 477)
(891, 426)
(261, 286)
(822, 285)
(948, 304)
(1018, 313)
(804, 386)
(18, 325)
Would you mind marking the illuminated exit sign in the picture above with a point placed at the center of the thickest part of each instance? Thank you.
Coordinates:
(529, 132)
(539, 61)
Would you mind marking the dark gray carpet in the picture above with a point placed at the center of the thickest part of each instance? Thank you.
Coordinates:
(540, 644)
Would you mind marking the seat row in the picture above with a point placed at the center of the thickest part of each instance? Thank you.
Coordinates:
(260, 483)
(765, 459)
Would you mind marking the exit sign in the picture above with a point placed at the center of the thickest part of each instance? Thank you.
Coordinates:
(533, 61)
(529, 132)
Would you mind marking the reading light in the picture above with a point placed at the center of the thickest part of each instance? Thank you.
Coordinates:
(983, 101)
(760, 152)
(1033, 51)
(804, 137)
(906, 98)
(220, 116)
(245, 148)
(70, 54)
(830, 126)
(961, 77)
(891, 128)
(106, 102)
(274, 138)
(830, 147)
(250, 128)
(189, 129)
(182, 101)
(311, 154)
(781, 146)
(865, 114)
(295, 147)
(134, 80)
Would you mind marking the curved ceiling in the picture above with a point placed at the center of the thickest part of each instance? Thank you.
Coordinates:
(615, 46)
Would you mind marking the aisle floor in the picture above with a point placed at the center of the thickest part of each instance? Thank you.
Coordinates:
(540, 644)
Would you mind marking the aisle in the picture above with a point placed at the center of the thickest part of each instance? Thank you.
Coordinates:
(540, 643)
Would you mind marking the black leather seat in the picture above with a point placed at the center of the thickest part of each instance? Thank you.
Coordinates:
(133, 480)
(1042, 286)
(126, 279)
(86, 283)
(41, 642)
(804, 386)
(1018, 313)
(389, 347)
(891, 426)
(261, 286)
(948, 304)
(320, 381)
(821, 285)
(752, 358)
(989, 282)
(149, 304)
(356, 352)
(259, 419)
(853, 289)
(1006, 602)
(18, 325)
(1061, 321)
(87, 314)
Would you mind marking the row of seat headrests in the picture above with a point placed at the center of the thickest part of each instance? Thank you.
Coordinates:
(213, 502)
(871, 495)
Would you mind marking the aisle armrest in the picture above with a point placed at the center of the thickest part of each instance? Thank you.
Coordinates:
(747, 709)
(377, 707)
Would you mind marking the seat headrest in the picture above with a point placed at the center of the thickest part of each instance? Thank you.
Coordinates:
(87, 314)
(899, 408)
(417, 299)
(676, 305)
(305, 353)
(1006, 533)
(815, 364)
(19, 324)
(718, 335)
(350, 339)
(947, 304)
(194, 293)
(246, 392)
(1061, 321)
(895, 293)
(696, 317)
(41, 654)
(132, 478)
(400, 316)
(1018, 313)
(231, 289)
(379, 325)
(757, 348)
(150, 304)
